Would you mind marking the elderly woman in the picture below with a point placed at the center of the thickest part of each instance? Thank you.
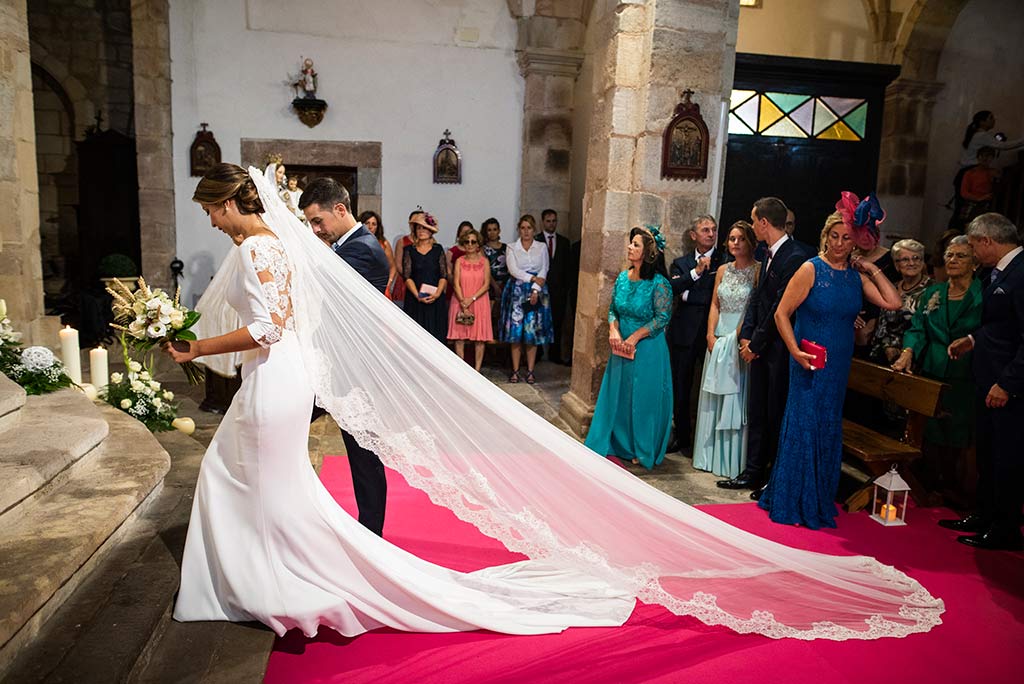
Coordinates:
(825, 296)
(947, 311)
(633, 415)
(525, 304)
(887, 342)
(426, 277)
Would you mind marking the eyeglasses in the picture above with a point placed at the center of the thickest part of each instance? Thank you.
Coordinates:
(471, 242)
(909, 259)
(950, 256)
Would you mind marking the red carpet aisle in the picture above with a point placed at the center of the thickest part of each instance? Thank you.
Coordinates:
(981, 638)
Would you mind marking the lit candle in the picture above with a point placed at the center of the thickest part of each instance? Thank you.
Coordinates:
(888, 513)
(185, 425)
(98, 372)
(70, 354)
(90, 391)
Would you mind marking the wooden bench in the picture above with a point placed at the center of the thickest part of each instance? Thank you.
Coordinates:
(868, 454)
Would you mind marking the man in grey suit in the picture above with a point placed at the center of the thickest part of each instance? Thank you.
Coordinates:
(328, 208)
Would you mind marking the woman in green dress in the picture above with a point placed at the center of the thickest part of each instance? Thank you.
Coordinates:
(945, 312)
(633, 415)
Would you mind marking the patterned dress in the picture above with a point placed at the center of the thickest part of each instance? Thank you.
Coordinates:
(893, 324)
(633, 415)
(803, 485)
(720, 444)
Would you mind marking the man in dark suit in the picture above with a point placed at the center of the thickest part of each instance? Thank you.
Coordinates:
(693, 280)
(559, 277)
(998, 366)
(327, 207)
(761, 346)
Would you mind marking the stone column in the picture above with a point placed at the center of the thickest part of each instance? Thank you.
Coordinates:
(547, 129)
(21, 276)
(151, 60)
(648, 52)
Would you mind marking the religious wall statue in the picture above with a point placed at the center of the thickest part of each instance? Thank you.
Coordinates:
(204, 153)
(309, 108)
(447, 161)
(684, 151)
(305, 83)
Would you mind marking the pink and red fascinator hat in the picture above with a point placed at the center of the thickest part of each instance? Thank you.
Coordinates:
(861, 214)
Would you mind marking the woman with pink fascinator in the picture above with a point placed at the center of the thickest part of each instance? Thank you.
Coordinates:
(825, 297)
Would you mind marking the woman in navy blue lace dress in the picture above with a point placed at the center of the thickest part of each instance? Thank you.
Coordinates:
(826, 296)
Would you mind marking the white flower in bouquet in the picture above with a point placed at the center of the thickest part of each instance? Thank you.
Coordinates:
(156, 330)
(144, 375)
(157, 402)
(154, 385)
(116, 378)
(176, 319)
(134, 366)
(37, 358)
(137, 386)
(139, 309)
(137, 327)
(126, 403)
(168, 395)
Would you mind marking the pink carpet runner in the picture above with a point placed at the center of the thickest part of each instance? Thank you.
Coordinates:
(981, 638)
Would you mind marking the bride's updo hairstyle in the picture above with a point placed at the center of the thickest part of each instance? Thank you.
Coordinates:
(229, 182)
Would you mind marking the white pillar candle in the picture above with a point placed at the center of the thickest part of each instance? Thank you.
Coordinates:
(185, 425)
(98, 371)
(70, 354)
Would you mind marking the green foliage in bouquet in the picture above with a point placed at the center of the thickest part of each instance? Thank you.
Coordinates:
(37, 370)
(140, 396)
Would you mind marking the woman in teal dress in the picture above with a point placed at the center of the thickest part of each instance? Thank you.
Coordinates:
(633, 415)
(720, 442)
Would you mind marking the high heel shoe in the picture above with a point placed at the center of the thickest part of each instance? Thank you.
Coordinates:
(514, 376)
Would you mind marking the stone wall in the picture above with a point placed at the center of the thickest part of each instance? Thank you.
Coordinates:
(21, 278)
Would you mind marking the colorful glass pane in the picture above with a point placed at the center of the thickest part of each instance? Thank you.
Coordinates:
(838, 131)
(784, 128)
(841, 105)
(823, 117)
(738, 97)
(737, 127)
(804, 116)
(769, 114)
(857, 119)
(747, 112)
(787, 102)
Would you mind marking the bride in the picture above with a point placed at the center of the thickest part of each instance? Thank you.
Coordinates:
(266, 541)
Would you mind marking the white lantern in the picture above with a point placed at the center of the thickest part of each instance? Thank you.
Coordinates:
(889, 499)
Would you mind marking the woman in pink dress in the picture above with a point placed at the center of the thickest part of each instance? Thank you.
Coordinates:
(472, 281)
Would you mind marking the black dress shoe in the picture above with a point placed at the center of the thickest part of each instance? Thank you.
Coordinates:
(994, 541)
(739, 482)
(758, 493)
(970, 523)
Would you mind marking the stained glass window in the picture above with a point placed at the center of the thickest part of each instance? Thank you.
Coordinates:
(791, 115)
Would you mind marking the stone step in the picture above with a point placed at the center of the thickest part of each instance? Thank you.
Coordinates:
(62, 534)
(45, 447)
(12, 398)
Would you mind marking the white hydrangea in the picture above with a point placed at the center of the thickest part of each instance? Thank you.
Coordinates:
(37, 358)
(126, 403)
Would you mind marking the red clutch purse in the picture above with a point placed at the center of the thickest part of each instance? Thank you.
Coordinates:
(819, 353)
(626, 355)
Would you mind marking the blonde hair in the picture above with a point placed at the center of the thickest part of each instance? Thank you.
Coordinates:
(833, 219)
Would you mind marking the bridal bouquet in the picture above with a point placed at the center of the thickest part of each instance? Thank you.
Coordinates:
(149, 317)
(140, 396)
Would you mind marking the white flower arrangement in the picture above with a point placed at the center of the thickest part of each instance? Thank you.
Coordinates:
(36, 369)
(137, 394)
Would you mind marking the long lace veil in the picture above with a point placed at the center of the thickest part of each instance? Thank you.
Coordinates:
(517, 478)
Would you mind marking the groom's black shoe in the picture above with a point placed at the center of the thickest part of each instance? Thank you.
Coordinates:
(740, 482)
(994, 540)
(969, 523)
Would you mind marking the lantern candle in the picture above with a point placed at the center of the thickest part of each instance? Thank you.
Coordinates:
(887, 513)
(98, 370)
(70, 353)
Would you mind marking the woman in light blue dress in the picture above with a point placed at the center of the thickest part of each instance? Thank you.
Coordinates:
(720, 442)
(633, 415)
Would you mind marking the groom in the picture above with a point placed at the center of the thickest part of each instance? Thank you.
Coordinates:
(328, 208)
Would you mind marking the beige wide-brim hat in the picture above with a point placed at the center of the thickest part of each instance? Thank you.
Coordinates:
(421, 220)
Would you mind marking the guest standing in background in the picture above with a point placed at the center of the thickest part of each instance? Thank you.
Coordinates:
(869, 250)
(398, 290)
(525, 307)
(494, 250)
(470, 284)
(825, 296)
(693, 278)
(371, 220)
(559, 264)
(947, 311)
(887, 342)
(455, 252)
(426, 277)
(633, 415)
(999, 380)
(976, 187)
(720, 445)
(761, 346)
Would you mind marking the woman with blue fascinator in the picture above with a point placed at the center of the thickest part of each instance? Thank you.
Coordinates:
(633, 415)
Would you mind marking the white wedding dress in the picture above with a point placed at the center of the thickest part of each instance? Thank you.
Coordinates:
(267, 542)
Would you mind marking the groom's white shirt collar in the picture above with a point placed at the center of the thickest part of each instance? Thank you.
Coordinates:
(347, 235)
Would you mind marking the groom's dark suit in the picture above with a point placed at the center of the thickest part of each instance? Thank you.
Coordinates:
(363, 252)
(769, 372)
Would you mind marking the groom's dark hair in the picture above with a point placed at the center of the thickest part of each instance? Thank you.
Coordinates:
(325, 192)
